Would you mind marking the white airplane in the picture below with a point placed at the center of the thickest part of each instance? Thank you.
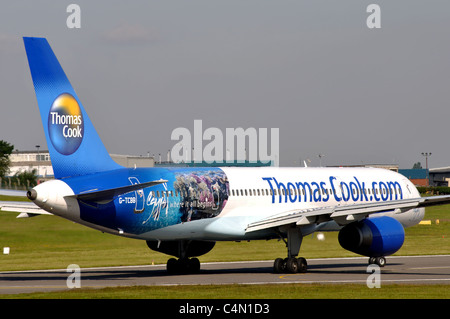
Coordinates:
(183, 212)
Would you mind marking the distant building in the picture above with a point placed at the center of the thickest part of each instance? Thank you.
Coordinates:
(22, 161)
(133, 161)
(214, 164)
(440, 176)
(391, 167)
(419, 177)
(40, 160)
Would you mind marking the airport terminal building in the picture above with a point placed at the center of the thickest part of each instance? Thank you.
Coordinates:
(22, 161)
(440, 176)
(40, 160)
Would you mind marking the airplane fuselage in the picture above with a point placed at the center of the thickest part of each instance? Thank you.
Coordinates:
(219, 203)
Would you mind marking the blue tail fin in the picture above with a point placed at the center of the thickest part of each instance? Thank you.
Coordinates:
(74, 145)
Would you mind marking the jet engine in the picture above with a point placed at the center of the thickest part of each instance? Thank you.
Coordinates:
(182, 249)
(373, 237)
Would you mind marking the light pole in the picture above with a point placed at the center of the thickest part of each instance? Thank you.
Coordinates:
(38, 159)
(426, 166)
(320, 159)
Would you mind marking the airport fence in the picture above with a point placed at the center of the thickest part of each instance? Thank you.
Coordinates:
(15, 183)
(20, 181)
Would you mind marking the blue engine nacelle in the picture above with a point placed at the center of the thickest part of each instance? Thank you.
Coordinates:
(374, 237)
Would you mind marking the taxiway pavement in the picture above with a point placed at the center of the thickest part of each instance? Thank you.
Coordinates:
(399, 270)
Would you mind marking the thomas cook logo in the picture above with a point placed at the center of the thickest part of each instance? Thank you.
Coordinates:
(65, 124)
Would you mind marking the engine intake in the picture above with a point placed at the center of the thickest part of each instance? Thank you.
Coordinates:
(373, 237)
(32, 194)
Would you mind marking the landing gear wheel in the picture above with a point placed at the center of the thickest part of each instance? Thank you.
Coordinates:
(183, 266)
(279, 266)
(172, 266)
(302, 265)
(380, 261)
(292, 265)
(193, 265)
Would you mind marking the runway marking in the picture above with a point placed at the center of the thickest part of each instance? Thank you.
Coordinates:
(290, 275)
(437, 267)
(32, 287)
(87, 268)
(54, 287)
(353, 281)
(244, 283)
(307, 282)
(304, 281)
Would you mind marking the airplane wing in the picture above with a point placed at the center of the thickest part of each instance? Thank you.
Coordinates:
(343, 214)
(435, 200)
(26, 209)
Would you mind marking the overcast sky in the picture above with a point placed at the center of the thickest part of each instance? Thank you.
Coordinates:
(311, 68)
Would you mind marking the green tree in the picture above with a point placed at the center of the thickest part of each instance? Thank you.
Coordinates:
(5, 150)
(417, 165)
(27, 178)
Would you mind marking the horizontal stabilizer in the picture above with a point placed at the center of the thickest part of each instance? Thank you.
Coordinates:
(26, 209)
(109, 194)
(29, 215)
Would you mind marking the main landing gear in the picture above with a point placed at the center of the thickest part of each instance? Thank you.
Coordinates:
(291, 264)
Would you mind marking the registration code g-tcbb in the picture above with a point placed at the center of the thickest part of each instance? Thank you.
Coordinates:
(127, 200)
